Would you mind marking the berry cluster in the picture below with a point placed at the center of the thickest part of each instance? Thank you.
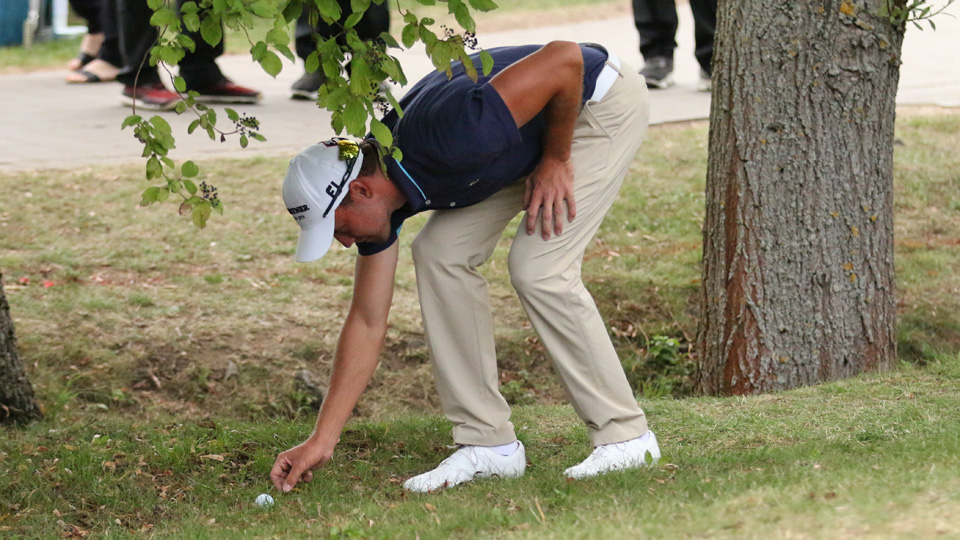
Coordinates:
(209, 193)
(247, 124)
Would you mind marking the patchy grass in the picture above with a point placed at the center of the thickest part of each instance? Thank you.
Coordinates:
(179, 347)
(869, 457)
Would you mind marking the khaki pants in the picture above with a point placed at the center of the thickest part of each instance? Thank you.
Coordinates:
(546, 275)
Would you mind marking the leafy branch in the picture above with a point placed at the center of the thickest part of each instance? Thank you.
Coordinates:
(356, 101)
(901, 12)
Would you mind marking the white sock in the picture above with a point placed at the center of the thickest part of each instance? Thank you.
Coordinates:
(505, 450)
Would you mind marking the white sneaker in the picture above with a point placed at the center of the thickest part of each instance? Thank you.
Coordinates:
(467, 463)
(614, 457)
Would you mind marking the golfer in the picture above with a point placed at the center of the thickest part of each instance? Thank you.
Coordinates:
(552, 131)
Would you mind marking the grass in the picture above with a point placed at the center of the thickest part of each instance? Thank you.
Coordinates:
(871, 457)
(165, 358)
(509, 15)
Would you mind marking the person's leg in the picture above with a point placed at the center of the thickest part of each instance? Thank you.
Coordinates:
(705, 24)
(459, 330)
(108, 62)
(456, 313)
(656, 22)
(199, 68)
(136, 36)
(375, 21)
(546, 274)
(89, 11)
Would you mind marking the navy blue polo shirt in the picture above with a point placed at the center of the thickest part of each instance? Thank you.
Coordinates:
(459, 141)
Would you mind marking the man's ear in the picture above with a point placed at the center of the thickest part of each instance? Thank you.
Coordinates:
(361, 188)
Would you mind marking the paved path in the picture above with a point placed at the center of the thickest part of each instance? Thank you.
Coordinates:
(48, 124)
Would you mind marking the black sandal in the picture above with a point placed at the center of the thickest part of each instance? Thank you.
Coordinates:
(84, 59)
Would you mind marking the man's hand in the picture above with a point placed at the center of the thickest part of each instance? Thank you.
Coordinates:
(297, 464)
(548, 187)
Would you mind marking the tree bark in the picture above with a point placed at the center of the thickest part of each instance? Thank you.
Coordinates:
(798, 275)
(17, 401)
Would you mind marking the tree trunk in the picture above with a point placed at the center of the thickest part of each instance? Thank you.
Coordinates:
(17, 402)
(798, 282)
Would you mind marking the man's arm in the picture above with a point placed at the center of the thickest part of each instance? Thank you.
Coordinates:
(356, 359)
(549, 80)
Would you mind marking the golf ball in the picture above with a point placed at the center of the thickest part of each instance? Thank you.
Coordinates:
(264, 500)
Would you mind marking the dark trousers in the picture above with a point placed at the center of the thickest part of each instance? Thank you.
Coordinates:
(137, 36)
(89, 11)
(656, 22)
(375, 20)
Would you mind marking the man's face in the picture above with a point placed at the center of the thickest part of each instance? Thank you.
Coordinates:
(361, 221)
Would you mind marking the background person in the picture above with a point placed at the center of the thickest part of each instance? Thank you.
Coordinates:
(656, 22)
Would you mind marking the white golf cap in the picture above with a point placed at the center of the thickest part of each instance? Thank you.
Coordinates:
(314, 187)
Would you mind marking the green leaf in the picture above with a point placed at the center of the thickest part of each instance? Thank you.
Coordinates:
(355, 117)
(409, 35)
(483, 5)
(170, 55)
(186, 42)
(179, 84)
(487, 61)
(149, 196)
(180, 107)
(189, 7)
(191, 21)
(190, 170)
(312, 62)
(381, 132)
(278, 36)
(163, 195)
(352, 20)
(168, 162)
(258, 137)
(211, 30)
(468, 66)
(131, 120)
(389, 40)
(201, 213)
(155, 4)
(191, 187)
(359, 6)
(244, 141)
(292, 10)
(271, 63)
(161, 125)
(193, 126)
(464, 18)
(258, 51)
(263, 9)
(231, 114)
(329, 10)
(153, 168)
(410, 18)
(164, 17)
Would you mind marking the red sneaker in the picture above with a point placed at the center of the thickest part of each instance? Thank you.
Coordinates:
(227, 91)
(151, 96)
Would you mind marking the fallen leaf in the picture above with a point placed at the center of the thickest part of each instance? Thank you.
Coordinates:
(215, 457)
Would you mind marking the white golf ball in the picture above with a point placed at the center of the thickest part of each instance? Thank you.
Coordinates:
(264, 500)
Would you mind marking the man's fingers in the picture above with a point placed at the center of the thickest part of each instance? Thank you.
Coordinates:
(291, 479)
(279, 472)
(558, 216)
(307, 476)
(532, 211)
(547, 216)
(527, 193)
(571, 208)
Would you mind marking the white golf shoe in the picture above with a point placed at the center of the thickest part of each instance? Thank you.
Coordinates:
(614, 457)
(467, 463)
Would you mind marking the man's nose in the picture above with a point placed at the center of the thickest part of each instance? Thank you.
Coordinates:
(345, 240)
